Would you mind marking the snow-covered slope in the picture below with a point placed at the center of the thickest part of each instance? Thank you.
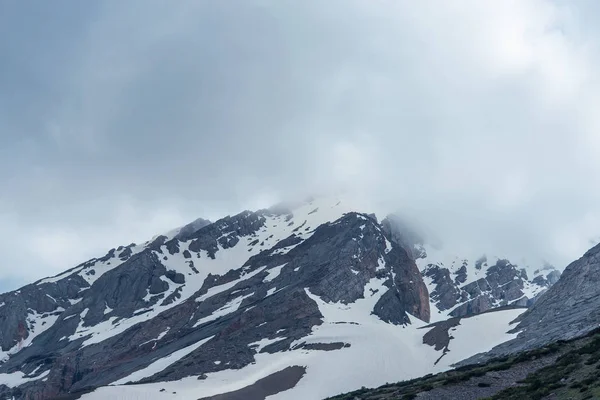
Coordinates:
(287, 294)
(369, 353)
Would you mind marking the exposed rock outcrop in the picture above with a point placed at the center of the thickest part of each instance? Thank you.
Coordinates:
(213, 293)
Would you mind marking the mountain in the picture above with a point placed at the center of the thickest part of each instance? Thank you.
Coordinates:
(554, 354)
(569, 309)
(279, 302)
(463, 285)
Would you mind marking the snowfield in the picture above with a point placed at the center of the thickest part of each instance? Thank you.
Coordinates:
(378, 353)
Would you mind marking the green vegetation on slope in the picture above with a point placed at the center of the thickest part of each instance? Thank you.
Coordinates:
(574, 375)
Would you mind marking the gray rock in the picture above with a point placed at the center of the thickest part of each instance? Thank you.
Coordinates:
(447, 293)
(334, 263)
(568, 309)
(187, 231)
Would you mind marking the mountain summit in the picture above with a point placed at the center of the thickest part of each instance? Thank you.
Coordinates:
(287, 294)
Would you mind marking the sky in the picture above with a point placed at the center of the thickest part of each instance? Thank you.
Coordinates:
(120, 120)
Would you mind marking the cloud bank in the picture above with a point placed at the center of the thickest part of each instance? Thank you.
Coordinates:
(121, 120)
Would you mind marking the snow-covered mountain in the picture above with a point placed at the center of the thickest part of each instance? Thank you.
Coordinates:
(307, 300)
(467, 284)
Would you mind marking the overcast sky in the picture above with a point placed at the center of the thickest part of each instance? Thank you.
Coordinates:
(123, 119)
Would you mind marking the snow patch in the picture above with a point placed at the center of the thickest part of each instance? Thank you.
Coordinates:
(261, 344)
(228, 308)
(274, 273)
(162, 363)
(19, 378)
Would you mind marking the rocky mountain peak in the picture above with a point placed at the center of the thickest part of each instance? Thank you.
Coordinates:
(186, 231)
(309, 286)
(463, 285)
(220, 287)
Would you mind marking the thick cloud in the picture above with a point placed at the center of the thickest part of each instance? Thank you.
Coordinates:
(120, 120)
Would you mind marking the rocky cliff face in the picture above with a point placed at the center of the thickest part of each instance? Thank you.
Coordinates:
(216, 295)
(501, 284)
(461, 286)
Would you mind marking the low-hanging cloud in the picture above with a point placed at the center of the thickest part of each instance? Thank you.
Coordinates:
(121, 120)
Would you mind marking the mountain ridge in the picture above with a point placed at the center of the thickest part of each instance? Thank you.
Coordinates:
(305, 286)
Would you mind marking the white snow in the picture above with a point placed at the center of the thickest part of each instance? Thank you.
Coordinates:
(228, 308)
(479, 334)
(107, 310)
(380, 264)
(222, 288)
(274, 273)
(60, 276)
(99, 267)
(36, 323)
(275, 229)
(446, 259)
(160, 336)
(161, 364)
(19, 378)
(36, 369)
(379, 352)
